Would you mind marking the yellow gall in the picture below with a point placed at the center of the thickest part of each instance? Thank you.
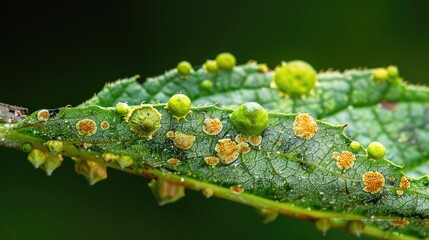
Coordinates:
(255, 140)
(207, 192)
(399, 192)
(373, 182)
(104, 125)
(212, 126)
(211, 161)
(43, 115)
(304, 126)
(405, 183)
(170, 134)
(243, 148)
(183, 141)
(236, 189)
(109, 157)
(173, 162)
(278, 143)
(227, 150)
(86, 127)
(240, 138)
(345, 160)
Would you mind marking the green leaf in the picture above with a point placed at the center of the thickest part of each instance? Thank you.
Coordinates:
(285, 173)
(392, 112)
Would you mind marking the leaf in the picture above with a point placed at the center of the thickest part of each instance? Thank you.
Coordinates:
(285, 173)
(391, 112)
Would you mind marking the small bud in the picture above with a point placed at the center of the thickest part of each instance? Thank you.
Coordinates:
(249, 119)
(37, 157)
(53, 162)
(355, 227)
(376, 150)
(122, 108)
(210, 66)
(184, 68)
(267, 215)
(225, 61)
(323, 225)
(179, 105)
(93, 171)
(355, 145)
(166, 192)
(54, 146)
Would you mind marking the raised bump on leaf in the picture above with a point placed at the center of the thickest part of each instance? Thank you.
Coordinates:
(225, 61)
(184, 68)
(166, 192)
(376, 150)
(144, 120)
(179, 105)
(55, 146)
(210, 66)
(249, 119)
(86, 127)
(295, 78)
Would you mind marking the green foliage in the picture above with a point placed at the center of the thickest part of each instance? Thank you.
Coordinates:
(299, 165)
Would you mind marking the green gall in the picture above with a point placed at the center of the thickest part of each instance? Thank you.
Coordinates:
(179, 105)
(295, 78)
(26, 147)
(184, 68)
(53, 161)
(249, 119)
(93, 171)
(54, 146)
(225, 61)
(124, 161)
(392, 71)
(355, 227)
(267, 215)
(376, 150)
(210, 66)
(355, 145)
(37, 157)
(122, 108)
(380, 75)
(166, 192)
(323, 225)
(207, 85)
(144, 120)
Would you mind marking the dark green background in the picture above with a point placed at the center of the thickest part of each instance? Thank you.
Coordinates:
(57, 54)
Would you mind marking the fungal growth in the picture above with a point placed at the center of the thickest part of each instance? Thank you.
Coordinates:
(212, 126)
(179, 105)
(211, 161)
(376, 150)
(345, 159)
(43, 115)
(305, 126)
(249, 119)
(184, 68)
(373, 182)
(240, 138)
(243, 147)
(170, 134)
(86, 127)
(144, 120)
(236, 189)
(403, 184)
(255, 140)
(173, 162)
(183, 141)
(104, 125)
(225, 61)
(295, 78)
(227, 150)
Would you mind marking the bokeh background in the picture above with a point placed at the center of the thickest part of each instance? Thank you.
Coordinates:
(55, 54)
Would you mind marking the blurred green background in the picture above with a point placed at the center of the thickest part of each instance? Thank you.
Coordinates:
(62, 53)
